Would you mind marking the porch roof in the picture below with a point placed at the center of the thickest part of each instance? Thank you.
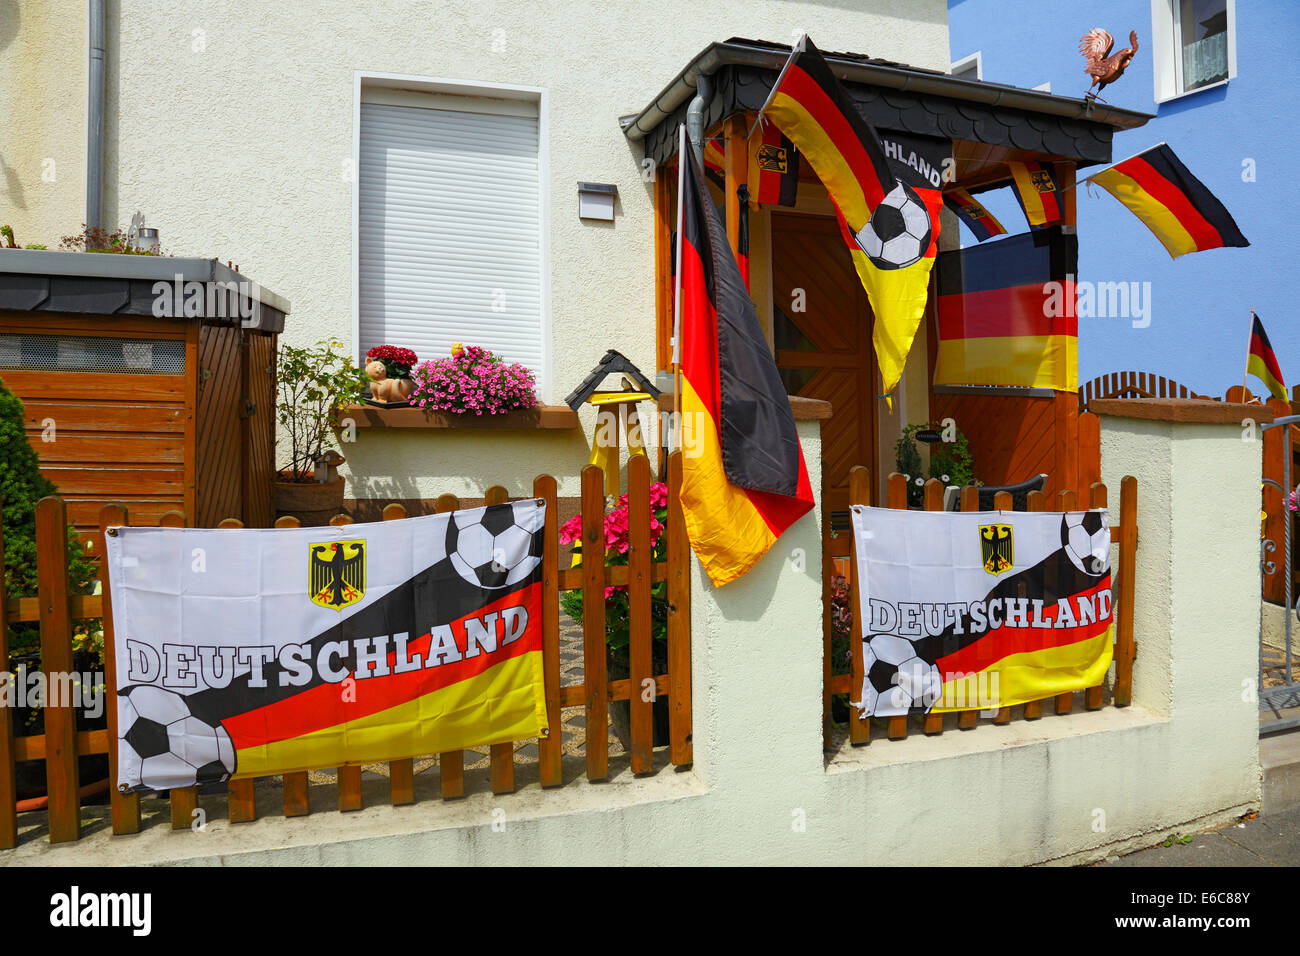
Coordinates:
(892, 96)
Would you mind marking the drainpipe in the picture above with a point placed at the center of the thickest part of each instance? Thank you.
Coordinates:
(695, 112)
(95, 115)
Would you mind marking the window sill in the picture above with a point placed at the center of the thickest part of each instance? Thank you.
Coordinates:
(1174, 97)
(543, 417)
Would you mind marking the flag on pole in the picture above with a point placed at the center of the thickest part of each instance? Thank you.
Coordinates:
(1157, 188)
(1261, 361)
(773, 168)
(744, 480)
(972, 212)
(1038, 193)
(895, 226)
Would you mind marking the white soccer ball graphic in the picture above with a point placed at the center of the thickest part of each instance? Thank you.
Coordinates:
(1086, 540)
(175, 748)
(895, 679)
(899, 231)
(490, 547)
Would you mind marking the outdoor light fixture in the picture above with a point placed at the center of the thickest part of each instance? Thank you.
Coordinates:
(596, 201)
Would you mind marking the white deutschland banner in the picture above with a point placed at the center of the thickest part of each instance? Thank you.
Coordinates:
(980, 610)
(252, 652)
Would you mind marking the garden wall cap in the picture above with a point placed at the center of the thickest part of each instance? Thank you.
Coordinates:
(106, 265)
(1182, 410)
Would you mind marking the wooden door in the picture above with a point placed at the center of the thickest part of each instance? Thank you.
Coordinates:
(822, 330)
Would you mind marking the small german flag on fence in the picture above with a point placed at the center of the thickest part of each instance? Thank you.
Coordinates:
(1261, 361)
(972, 212)
(1038, 193)
(1157, 188)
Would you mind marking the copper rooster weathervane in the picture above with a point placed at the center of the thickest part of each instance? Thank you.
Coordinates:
(1102, 67)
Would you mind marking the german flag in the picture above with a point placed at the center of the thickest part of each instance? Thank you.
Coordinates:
(744, 480)
(998, 321)
(1038, 193)
(884, 215)
(970, 211)
(1157, 188)
(1261, 361)
(773, 168)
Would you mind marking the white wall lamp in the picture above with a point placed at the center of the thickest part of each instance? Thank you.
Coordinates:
(596, 201)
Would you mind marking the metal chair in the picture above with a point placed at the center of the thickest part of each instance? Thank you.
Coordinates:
(1019, 494)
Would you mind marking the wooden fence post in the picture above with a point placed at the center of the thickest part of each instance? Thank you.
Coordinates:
(124, 807)
(1097, 498)
(1002, 501)
(62, 782)
(593, 622)
(679, 620)
(934, 488)
(859, 494)
(295, 792)
(550, 749)
(1035, 502)
(970, 501)
(502, 754)
(241, 795)
(182, 801)
(401, 773)
(640, 651)
(349, 777)
(8, 782)
(1068, 501)
(451, 763)
(1125, 647)
(896, 497)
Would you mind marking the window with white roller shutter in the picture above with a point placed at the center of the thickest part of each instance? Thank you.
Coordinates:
(450, 225)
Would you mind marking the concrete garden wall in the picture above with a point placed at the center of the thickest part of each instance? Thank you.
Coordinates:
(761, 791)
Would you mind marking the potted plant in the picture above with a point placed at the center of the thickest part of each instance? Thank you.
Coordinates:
(389, 370)
(950, 460)
(472, 381)
(618, 609)
(314, 385)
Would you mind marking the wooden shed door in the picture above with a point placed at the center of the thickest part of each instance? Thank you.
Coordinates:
(822, 328)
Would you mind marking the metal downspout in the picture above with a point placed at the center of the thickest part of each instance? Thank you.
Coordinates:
(695, 112)
(95, 115)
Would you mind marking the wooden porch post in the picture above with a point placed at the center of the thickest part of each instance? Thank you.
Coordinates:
(1067, 403)
(737, 172)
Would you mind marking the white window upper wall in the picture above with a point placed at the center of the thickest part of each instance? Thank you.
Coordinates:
(451, 218)
(1194, 45)
(969, 67)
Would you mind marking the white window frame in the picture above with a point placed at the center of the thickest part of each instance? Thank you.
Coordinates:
(440, 85)
(1166, 51)
(964, 63)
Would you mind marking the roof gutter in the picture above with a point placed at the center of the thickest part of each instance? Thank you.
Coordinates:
(717, 55)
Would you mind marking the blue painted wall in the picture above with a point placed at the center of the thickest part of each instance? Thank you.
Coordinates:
(1200, 303)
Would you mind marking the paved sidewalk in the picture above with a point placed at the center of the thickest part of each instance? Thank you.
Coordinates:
(1265, 841)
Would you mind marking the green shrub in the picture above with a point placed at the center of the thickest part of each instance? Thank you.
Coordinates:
(21, 486)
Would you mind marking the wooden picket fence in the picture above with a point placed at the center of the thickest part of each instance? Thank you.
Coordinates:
(1123, 529)
(57, 608)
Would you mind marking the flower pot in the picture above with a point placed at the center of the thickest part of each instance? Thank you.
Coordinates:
(618, 667)
(313, 503)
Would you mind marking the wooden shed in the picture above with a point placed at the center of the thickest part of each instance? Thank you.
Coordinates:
(148, 381)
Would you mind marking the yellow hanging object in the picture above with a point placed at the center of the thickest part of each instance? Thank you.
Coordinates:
(604, 451)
